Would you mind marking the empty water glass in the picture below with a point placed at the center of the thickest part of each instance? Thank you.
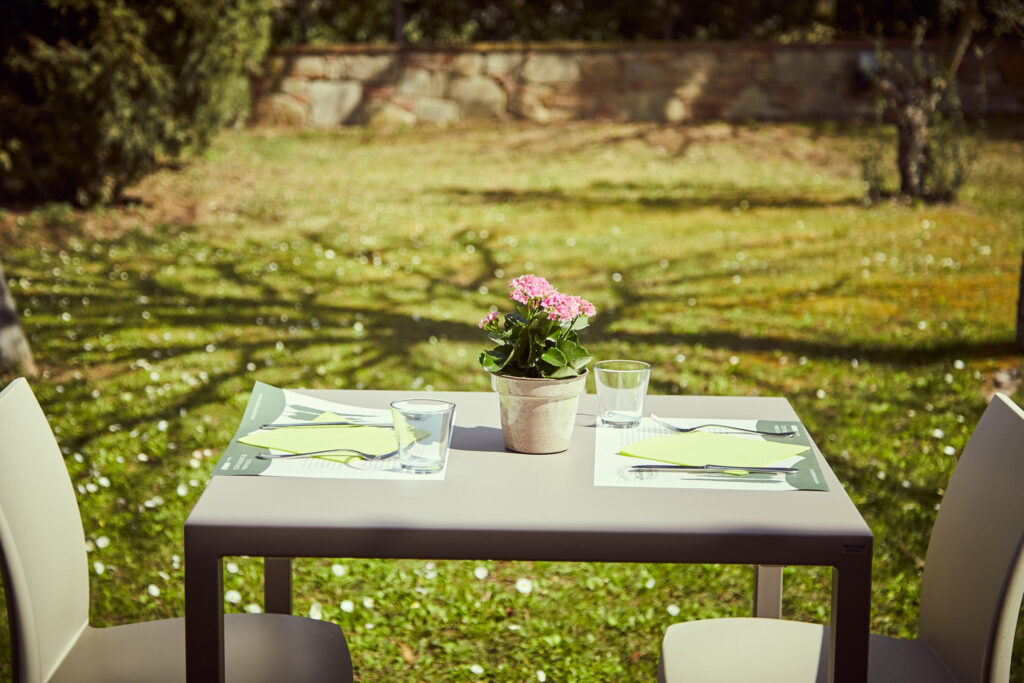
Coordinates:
(621, 388)
(424, 430)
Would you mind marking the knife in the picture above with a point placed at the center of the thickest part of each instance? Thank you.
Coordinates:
(712, 468)
(349, 423)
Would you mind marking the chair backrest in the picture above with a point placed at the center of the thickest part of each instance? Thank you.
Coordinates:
(46, 575)
(974, 571)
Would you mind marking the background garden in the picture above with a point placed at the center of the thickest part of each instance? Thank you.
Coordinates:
(738, 260)
(160, 264)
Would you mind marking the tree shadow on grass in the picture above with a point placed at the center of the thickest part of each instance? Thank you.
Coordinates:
(676, 197)
(288, 307)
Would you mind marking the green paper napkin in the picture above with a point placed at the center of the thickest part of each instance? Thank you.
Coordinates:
(373, 440)
(708, 448)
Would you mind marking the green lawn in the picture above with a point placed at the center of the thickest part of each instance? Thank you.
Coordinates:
(737, 260)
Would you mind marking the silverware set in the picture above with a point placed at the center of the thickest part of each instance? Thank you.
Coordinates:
(354, 421)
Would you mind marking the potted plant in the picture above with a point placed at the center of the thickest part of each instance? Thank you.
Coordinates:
(537, 364)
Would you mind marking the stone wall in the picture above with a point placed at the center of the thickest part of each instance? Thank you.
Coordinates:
(388, 85)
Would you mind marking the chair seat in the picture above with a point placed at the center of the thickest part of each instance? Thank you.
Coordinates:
(779, 651)
(258, 648)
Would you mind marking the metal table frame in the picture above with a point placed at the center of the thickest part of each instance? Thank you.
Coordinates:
(528, 507)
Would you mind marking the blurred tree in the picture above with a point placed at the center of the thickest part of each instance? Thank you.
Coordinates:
(14, 349)
(921, 97)
(94, 93)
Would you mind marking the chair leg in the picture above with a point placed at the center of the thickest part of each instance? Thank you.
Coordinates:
(768, 592)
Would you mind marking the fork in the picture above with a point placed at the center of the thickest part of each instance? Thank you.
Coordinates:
(338, 451)
(731, 428)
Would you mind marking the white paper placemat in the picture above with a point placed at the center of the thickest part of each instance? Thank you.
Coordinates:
(268, 404)
(613, 469)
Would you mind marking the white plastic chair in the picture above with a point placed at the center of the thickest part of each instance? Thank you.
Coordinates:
(46, 581)
(970, 594)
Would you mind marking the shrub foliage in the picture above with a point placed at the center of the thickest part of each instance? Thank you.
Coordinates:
(94, 93)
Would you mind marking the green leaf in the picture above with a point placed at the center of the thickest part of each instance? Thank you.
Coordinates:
(555, 357)
(496, 359)
(575, 355)
(564, 371)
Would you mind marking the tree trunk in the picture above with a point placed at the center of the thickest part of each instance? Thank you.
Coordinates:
(1020, 306)
(14, 347)
(912, 132)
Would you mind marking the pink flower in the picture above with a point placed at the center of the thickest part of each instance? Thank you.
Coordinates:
(527, 288)
(561, 307)
(565, 308)
(488, 319)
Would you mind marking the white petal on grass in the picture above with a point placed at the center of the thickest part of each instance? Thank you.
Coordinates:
(938, 433)
(541, 676)
(673, 610)
(182, 490)
(232, 567)
(958, 364)
(153, 590)
(233, 596)
(102, 542)
(368, 603)
(477, 669)
(649, 583)
(524, 586)
(99, 568)
(316, 611)
(253, 608)
(949, 450)
(338, 569)
(481, 573)
(347, 606)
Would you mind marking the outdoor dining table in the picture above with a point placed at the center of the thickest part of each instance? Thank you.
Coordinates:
(493, 504)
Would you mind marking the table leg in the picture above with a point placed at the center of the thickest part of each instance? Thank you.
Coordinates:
(768, 591)
(204, 614)
(277, 585)
(851, 621)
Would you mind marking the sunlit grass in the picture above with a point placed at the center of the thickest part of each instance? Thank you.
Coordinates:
(737, 260)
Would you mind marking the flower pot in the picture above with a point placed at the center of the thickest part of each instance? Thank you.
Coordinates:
(538, 414)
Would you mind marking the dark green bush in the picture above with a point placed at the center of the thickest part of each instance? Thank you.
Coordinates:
(95, 93)
(461, 21)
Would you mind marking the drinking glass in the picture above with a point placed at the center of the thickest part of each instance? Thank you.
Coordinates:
(424, 430)
(621, 388)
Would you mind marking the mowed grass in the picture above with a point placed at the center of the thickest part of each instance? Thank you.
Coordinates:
(737, 260)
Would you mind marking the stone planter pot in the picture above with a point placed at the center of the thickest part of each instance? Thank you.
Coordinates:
(538, 415)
